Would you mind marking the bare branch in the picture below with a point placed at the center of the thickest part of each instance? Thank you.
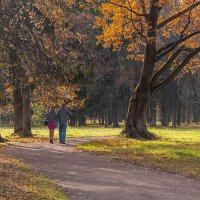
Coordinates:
(167, 64)
(179, 14)
(171, 46)
(139, 32)
(177, 70)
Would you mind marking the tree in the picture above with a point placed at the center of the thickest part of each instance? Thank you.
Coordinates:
(163, 34)
(40, 49)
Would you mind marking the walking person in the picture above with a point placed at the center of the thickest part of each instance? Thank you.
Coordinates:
(52, 122)
(62, 115)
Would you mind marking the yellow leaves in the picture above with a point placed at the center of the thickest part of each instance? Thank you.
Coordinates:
(70, 2)
(56, 95)
(51, 11)
(9, 90)
(119, 24)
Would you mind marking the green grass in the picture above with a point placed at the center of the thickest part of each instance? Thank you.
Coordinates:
(18, 181)
(42, 133)
(178, 150)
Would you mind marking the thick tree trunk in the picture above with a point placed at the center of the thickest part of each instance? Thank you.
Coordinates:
(18, 110)
(16, 72)
(26, 112)
(135, 126)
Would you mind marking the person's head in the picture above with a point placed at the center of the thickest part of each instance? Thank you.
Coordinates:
(63, 105)
(52, 109)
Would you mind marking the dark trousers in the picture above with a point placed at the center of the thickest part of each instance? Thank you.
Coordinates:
(62, 131)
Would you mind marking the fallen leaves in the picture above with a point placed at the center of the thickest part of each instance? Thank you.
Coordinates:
(18, 181)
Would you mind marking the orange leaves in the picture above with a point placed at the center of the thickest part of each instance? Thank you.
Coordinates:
(57, 95)
(119, 23)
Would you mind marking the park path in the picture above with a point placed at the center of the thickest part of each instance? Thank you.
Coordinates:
(87, 177)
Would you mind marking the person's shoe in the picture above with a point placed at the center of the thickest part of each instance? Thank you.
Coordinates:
(60, 142)
(63, 143)
(51, 141)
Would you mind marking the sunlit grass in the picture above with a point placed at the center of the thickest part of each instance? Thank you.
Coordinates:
(43, 133)
(178, 150)
(179, 134)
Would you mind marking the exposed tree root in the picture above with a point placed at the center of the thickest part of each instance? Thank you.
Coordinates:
(139, 134)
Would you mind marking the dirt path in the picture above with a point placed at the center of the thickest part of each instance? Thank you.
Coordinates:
(87, 177)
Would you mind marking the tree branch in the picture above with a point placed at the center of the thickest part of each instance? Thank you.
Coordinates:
(144, 10)
(178, 15)
(167, 64)
(177, 70)
(129, 9)
(171, 46)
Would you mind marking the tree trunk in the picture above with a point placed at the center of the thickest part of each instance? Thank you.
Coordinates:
(196, 113)
(188, 113)
(174, 114)
(81, 118)
(102, 117)
(106, 115)
(16, 72)
(114, 109)
(174, 106)
(165, 107)
(152, 112)
(135, 126)
(109, 117)
(179, 113)
(72, 122)
(18, 110)
(183, 113)
(27, 112)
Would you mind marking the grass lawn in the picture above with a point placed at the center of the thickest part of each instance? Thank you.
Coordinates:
(42, 133)
(18, 181)
(178, 150)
